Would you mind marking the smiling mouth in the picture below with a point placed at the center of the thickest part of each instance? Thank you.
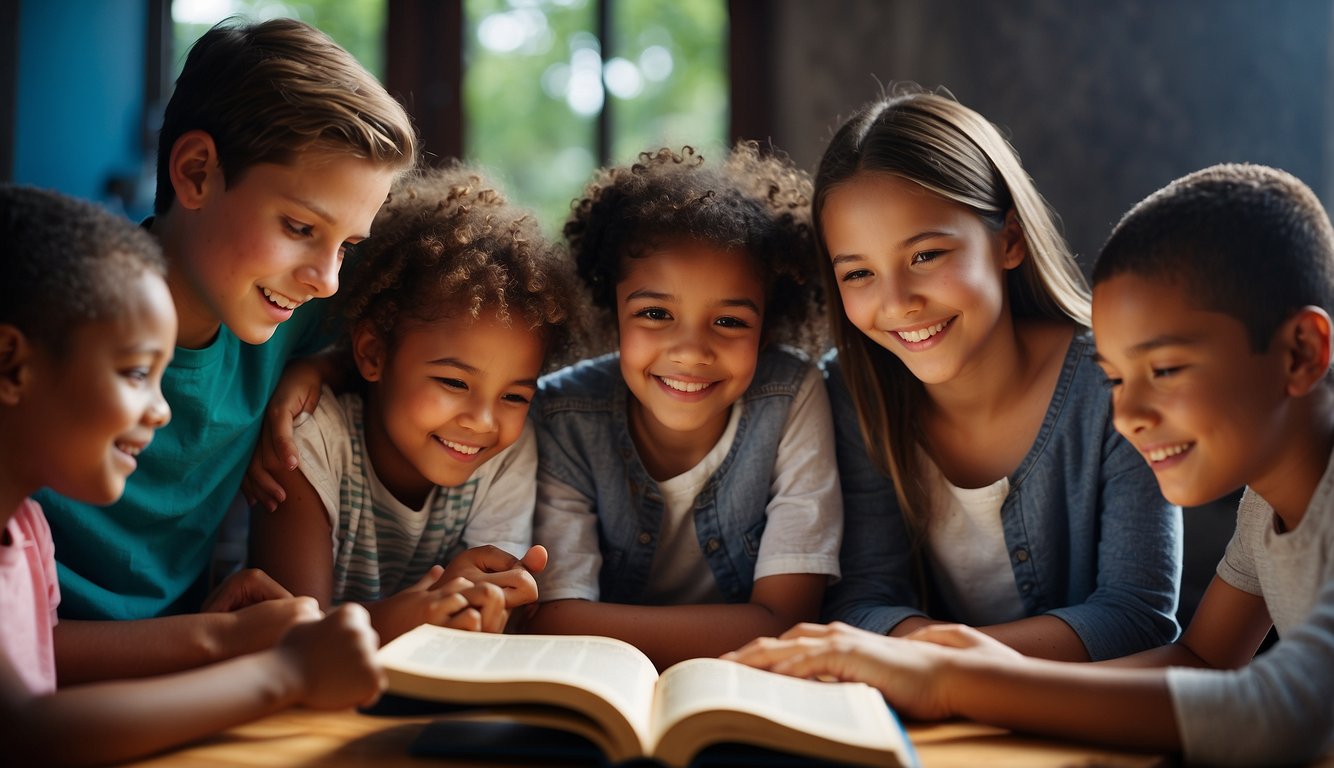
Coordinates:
(922, 334)
(466, 450)
(689, 387)
(1162, 454)
(281, 301)
(129, 448)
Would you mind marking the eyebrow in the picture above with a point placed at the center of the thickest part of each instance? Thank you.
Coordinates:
(1157, 342)
(915, 239)
(323, 214)
(454, 362)
(644, 293)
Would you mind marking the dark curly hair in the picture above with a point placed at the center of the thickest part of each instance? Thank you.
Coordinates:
(758, 202)
(448, 244)
(66, 262)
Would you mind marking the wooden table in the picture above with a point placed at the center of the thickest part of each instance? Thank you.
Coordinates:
(299, 737)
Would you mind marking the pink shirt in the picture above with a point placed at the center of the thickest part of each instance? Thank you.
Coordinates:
(29, 595)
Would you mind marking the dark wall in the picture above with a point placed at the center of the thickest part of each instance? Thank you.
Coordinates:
(1105, 101)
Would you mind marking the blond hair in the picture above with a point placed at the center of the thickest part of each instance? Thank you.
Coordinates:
(270, 91)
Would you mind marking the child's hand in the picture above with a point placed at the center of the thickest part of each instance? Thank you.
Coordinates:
(260, 626)
(298, 392)
(243, 588)
(334, 660)
(912, 675)
(493, 565)
(963, 637)
(444, 601)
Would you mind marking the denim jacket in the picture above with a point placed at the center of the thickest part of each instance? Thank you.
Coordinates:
(584, 441)
(1091, 539)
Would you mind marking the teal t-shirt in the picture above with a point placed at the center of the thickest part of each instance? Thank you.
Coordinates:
(147, 554)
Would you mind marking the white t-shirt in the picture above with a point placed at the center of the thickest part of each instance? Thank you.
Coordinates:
(382, 546)
(1280, 707)
(970, 563)
(802, 532)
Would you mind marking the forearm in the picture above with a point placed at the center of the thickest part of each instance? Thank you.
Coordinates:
(1125, 707)
(110, 722)
(665, 633)
(89, 651)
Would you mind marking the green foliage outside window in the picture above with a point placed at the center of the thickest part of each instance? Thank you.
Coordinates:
(536, 77)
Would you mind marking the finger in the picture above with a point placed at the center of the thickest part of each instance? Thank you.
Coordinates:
(943, 634)
(428, 579)
(491, 559)
(469, 619)
(810, 629)
(535, 559)
(452, 584)
(491, 602)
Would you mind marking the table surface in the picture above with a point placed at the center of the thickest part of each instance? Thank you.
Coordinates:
(300, 737)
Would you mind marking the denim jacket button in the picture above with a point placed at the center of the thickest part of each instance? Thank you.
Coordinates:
(645, 537)
(1026, 587)
(1021, 555)
(712, 546)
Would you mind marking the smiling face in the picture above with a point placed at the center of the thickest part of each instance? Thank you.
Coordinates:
(447, 397)
(920, 275)
(690, 317)
(97, 405)
(269, 242)
(1187, 390)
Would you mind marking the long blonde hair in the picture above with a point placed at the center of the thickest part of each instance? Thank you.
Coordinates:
(949, 149)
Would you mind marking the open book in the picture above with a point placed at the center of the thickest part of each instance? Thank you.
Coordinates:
(608, 692)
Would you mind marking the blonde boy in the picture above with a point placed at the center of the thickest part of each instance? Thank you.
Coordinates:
(276, 151)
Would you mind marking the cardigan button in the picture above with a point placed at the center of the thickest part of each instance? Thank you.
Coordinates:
(1021, 555)
(645, 537)
(712, 546)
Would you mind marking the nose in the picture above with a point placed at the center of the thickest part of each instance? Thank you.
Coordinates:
(158, 413)
(478, 416)
(691, 347)
(898, 298)
(1132, 409)
(320, 274)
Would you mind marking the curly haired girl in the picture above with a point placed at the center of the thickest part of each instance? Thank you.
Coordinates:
(687, 481)
(450, 312)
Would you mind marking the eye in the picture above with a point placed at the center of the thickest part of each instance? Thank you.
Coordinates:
(347, 248)
(654, 313)
(1110, 383)
(516, 398)
(924, 256)
(855, 274)
(1163, 373)
(731, 322)
(138, 375)
(457, 384)
(297, 229)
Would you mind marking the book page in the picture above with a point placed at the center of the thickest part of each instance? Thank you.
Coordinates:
(851, 713)
(613, 670)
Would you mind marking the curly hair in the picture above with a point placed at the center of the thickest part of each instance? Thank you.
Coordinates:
(757, 202)
(66, 262)
(448, 244)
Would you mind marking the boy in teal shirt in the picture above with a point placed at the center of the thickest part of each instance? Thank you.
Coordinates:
(277, 149)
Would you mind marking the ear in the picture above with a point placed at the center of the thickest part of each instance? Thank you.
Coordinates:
(368, 350)
(1307, 338)
(1013, 243)
(15, 364)
(192, 165)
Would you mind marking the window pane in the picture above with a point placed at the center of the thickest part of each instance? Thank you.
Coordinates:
(531, 95)
(357, 25)
(536, 78)
(667, 75)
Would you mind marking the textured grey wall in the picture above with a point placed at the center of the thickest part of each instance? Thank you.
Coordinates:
(1105, 101)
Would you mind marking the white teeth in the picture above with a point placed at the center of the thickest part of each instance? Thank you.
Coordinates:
(283, 301)
(921, 335)
(1158, 454)
(468, 450)
(685, 386)
(132, 450)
